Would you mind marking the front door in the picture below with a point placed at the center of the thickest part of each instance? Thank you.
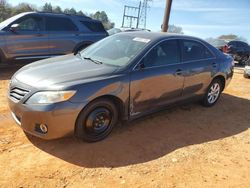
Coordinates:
(157, 80)
(30, 39)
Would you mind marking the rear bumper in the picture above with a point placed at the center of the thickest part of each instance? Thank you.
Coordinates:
(59, 118)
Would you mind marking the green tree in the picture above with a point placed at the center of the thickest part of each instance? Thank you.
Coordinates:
(66, 11)
(22, 7)
(57, 9)
(5, 10)
(175, 29)
(72, 11)
(47, 7)
(103, 17)
(80, 13)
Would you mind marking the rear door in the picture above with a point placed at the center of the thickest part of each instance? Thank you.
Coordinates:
(63, 34)
(92, 31)
(30, 40)
(199, 65)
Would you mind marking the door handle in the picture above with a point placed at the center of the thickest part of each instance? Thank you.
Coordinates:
(178, 72)
(39, 35)
(214, 65)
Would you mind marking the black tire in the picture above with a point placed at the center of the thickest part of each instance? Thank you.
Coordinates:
(96, 121)
(207, 101)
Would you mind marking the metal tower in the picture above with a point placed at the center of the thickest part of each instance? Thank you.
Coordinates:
(136, 16)
(143, 14)
(131, 16)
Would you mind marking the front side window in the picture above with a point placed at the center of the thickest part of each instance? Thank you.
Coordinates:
(166, 53)
(193, 50)
(60, 24)
(30, 23)
(116, 50)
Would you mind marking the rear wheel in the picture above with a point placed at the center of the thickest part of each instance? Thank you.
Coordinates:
(213, 93)
(97, 120)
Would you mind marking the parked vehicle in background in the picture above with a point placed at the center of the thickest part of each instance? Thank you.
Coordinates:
(121, 77)
(125, 29)
(247, 71)
(219, 44)
(239, 50)
(37, 35)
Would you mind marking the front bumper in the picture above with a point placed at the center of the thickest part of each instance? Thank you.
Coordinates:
(59, 118)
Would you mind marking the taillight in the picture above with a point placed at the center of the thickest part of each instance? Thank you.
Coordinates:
(226, 49)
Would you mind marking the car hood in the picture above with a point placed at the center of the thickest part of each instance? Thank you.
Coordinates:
(61, 70)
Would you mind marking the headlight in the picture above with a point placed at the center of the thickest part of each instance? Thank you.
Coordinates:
(49, 97)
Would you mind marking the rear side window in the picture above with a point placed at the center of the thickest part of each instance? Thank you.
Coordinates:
(60, 24)
(93, 26)
(193, 50)
(165, 53)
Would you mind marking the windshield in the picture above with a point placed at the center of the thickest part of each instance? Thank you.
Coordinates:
(9, 20)
(115, 50)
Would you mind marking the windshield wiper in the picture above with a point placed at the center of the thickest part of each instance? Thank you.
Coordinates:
(78, 54)
(93, 60)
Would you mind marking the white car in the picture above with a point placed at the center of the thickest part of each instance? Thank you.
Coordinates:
(247, 71)
(125, 29)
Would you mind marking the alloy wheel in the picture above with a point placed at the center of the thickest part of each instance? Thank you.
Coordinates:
(213, 93)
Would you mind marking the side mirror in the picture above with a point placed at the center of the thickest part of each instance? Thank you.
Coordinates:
(140, 66)
(14, 28)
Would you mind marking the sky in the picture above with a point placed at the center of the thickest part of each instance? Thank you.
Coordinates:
(200, 18)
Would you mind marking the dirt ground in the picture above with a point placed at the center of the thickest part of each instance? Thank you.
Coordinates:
(188, 146)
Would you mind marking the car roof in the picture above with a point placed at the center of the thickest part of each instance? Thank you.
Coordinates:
(238, 41)
(59, 14)
(153, 36)
(159, 36)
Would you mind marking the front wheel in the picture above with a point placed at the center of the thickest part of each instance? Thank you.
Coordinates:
(213, 93)
(96, 121)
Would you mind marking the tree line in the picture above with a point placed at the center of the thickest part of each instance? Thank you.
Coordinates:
(7, 11)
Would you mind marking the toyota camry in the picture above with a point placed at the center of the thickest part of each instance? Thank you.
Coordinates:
(121, 77)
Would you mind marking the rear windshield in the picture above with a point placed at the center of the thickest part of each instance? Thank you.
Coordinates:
(93, 26)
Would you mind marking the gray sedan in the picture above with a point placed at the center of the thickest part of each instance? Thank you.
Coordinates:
(121, 77)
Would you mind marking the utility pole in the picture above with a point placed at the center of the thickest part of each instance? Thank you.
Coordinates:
(166, 16)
